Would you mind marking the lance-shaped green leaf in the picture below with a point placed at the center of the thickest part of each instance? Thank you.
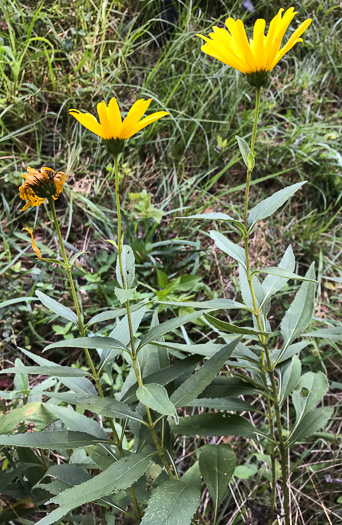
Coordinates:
(232, 328)
(272, 284)
(244, 149)
(311, 422)
(172, 503)
(167, 326)
(281, 272)
(63, 479)
(203, 349)
(214, 304)
(222, 386)
(65, 476)
(124, 295)
(268, 206)
(89, 342)
(334, 333)
(228, 404)
(36, 413)
(128, 267)
(76, 384)
(77, 422)
(122, 330)
(289, 375)
(315, 386)
(53, 371)
(251, 161)
(156, 397)
(217, 464)
(165, 375)
(233, 250)
(192, 476)
(75, 257)
(17, 300)
(299, 315)
(217, 216)
(38, 358)
(118, 476)
(103, 406)
(51, 440)
(195, 384)
(212, 216)
(57, 261)
(57, 308)
(214, 425)
(291, 350)
(113, 314)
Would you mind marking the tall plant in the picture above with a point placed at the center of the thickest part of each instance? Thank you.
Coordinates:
(275, 373)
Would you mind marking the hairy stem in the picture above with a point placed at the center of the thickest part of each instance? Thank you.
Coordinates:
(263, 341)
(133, 351)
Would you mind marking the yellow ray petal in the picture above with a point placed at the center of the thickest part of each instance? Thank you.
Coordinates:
(270, 36)
(211, 52)
(114, 117)
(284, 50)
(272, 27)
(223, 57)
(34, 246)
(258, 43)
(219, 50)
(222, 38)
(146, 121)
(104, 120)
(282, 25)
(134, 115)
(245, 45)
(27, 205)
(292, 41)
(88, 121)
(236, 41)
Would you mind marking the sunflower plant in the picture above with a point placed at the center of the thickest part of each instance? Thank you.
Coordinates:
(127, 434)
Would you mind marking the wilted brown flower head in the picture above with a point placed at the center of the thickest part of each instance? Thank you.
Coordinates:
(41, 184)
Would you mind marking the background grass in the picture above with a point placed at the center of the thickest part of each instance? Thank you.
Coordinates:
(55, 56)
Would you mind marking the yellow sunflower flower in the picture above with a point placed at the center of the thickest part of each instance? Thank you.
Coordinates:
(39, 185)
(111, 127)
(260, 55)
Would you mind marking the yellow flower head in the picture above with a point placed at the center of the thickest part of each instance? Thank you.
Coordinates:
(39, 185)
(111, 127)
(258, 56)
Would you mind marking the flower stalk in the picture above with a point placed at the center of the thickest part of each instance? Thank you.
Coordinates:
(134, 355)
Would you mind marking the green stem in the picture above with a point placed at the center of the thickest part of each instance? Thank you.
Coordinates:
(118, 211)
(249, 171)
(81, 329)
(272, 445)
(263, 341)
(281, 443)
(133, 351)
